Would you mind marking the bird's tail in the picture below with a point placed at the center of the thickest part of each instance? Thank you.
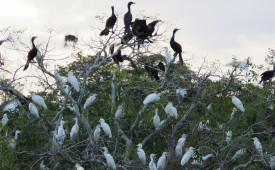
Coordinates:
(104, 32)
(26, 66)
(180, 57)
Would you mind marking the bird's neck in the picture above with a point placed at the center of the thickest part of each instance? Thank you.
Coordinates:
(113, 11)
(16, 136)
(33, 46)
(129, 8)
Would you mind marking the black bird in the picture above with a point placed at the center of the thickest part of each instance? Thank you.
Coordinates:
(152, 71)
(109, 23)
(118, 58)
(140, 29)
(151, 27)
(267, 75)
(34, 52)
(111, 49)
(161, 66)
(176, 46)
(70, 38)
(128, 19)
(1, 41)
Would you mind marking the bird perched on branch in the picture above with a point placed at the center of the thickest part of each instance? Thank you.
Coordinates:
(106, 128)
(237, 102)
(110, 160)
(90, 101)
(78, 166)
(180, 144)
(151, 27)
(128, 18)
(156, 120)
(75, 129)
(151, 98)
(72, 79)
(187, 156)
(34, 52)
(162, 161)
(171, 110)
(39, 100)
(152, 165)
(176, 46)
(267, 75)
(109, 23)
(12, 142)
(141, 153)
(33, 110)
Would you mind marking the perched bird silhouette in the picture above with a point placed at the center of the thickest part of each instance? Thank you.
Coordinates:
(153, 70)
(128, 18)
(70, 38)
(176, 46)
(267, 75)
(34, 52)
(151, 27)
(109, 23)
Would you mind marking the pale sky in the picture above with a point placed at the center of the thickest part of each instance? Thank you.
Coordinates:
(215, 29)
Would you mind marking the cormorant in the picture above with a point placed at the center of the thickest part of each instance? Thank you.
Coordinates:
(267, 75)
(109, 23)
(152, 71)
(140, 29)
(118, 58)
(111, 49)
(128, 18)
(176, 46)
(151, 27)
(161, 66)
(70, 38)
(32, 53)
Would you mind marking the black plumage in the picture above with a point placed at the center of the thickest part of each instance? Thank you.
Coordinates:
(151, 27)
(152, 71)
(70, 38)
(128, 18)
(2, 41)
(32, 54)
(118, 58)
(267, 75)
(176, 46)
(140, 29)
(111, 21)
(161, 66)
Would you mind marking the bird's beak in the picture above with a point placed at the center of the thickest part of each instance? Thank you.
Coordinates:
(101, 147)
(98, 121)
(154, 154)
(19, 131)
(137, 145)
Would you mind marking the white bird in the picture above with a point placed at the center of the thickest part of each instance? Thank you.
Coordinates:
(272, 162)
(228, 136)
(4, 120)
(151, 98)
(71, 108)
(237, 102)
(156, 120)
(258, 145)
(204, 158)
(13, 140)
(180, 144)
(270, 107)
(181, 92)
(119, 112)
(73, 81)
(58, 77)
(203, 126)
(78, 166)
(187, 156)
(238, 154)
(168, 56)
(172, 111)
(39, 100)
(97, 133)
(89, 101)
(141, 153)
(110, 160)
(43, 167)
(61, 132)
(209, 107)
(162, 161)
(233, 113)
(12, 106)
(66, 89)
(75, 129)
(152, 165)
(33, 110)
(106, 128)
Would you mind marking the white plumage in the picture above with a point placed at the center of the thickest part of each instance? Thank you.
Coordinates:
(258, 145)
(141, 153)
(58, 77)
(180, 144)
(172, 111)
(97, 133)
(73, 81)
(39, 100)
(233, 113)
(43, 167)
(181, 92)
(119, 112)
(106, 128)
(66, 89)
(4, 120)
(156, 120)
(78, 166)
(152, 165)
(204, 158)
(238, 154)
(89, 101)
(33, 110)
(209, 107)
(187, 156)
(168, 56)
(13, 140)
(110, 160)
(162, 161)
(75, 129)
(203, 126)
(151, 98)
(228, 136)
(61, 133)
(237, 102)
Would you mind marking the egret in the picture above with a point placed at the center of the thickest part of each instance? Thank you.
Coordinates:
(110, 160)
(119, 112)
(109, 23)
(180, 144)
(271, 107)
(61, 132)
(168, 56)
(12, 106)
(156, 120)
(42, 166)
(128, 18)
(171, 110)
(33, 110)
(152, 165)
(34, 52)
(238, 154)
(141, 153)
(151, 98)
(187, 156)
(258, 145)
(181, 92)
(176, 46)
(71, 108)
(4, 120)
(228, 136)
(13, 140)
(203, 126)
(73, 81)
(106, 128)
(237, 102)
(97, 133)
(162, 161)
(267, 75)
(209, 107)
(39, 100)
(204, 158)
(58, 77)
(66, 89)
(75, 129)
(233, 113)
(90, 101)
(78, 166)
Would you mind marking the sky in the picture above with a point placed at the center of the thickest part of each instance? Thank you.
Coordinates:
(212, 29)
